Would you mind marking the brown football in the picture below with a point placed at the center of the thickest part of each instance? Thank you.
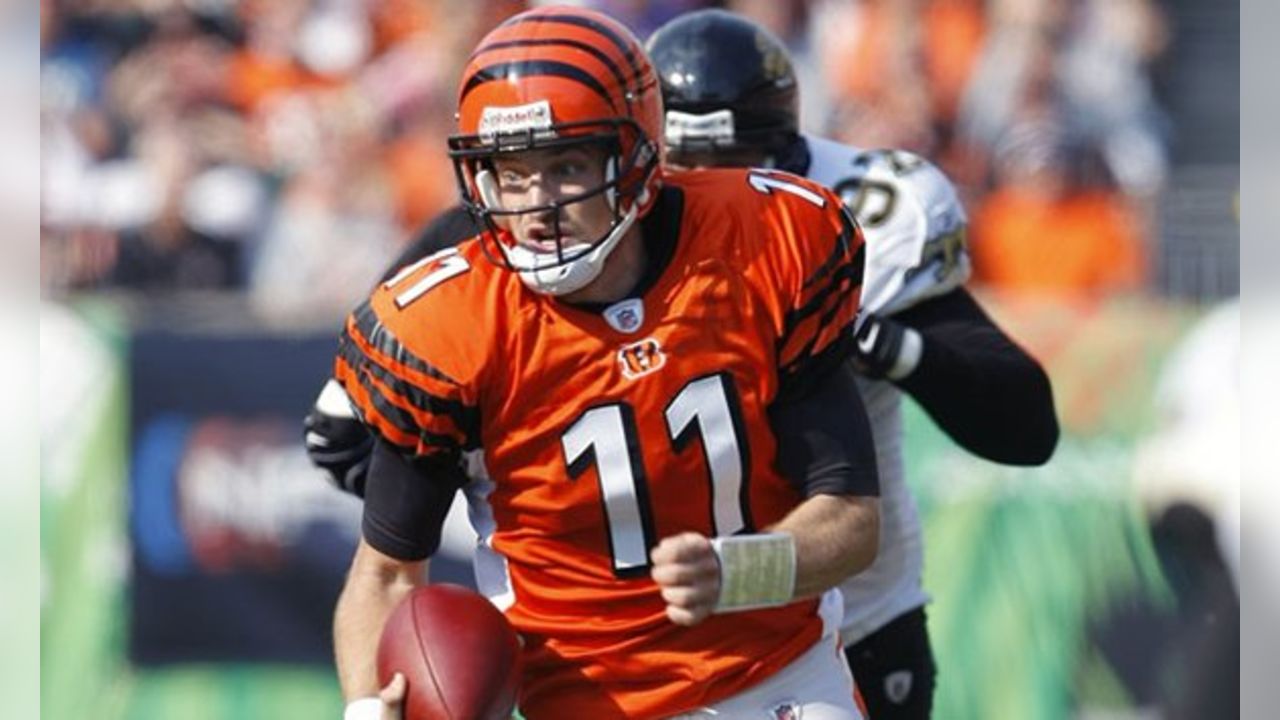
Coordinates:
(457, 651)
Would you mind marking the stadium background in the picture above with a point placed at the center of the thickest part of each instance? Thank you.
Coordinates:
(221, 180)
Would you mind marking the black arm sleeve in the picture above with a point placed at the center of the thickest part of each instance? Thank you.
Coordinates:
(445, 230)
(983, 390)
(824, 439)
(405, 502)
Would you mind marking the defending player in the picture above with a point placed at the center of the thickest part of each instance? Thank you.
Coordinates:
(731, 100)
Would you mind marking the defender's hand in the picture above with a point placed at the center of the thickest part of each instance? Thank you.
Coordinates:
(882, 349)
(337, 442)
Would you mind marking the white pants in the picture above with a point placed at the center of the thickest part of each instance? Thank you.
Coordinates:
(815, 686)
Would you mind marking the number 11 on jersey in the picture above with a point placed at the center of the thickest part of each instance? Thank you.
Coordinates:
(606, 437)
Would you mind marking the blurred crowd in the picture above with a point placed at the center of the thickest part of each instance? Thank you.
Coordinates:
(287, 149)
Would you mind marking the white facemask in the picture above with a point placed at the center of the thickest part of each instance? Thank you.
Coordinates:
(543, 272)
(551, 279)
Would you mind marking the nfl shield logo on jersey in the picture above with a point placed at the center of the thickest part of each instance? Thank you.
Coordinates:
(641, 358)
(626, 316)
(785, 710)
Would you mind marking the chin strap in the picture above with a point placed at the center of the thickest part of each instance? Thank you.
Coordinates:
(573, 275)
(544, 272)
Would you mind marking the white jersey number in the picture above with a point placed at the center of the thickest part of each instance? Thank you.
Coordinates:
(450, 264)
(607, 438)
(872, 201)
(766, 183)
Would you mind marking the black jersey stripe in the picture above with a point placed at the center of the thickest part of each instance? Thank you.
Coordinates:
(845, 279)
(385, 342)
(402, 419)
(465, 418)
(839, 251)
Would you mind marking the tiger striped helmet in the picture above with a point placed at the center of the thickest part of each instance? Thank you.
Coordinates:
(555, 77)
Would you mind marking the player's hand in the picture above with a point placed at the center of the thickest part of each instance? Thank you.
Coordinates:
(392, 697)
(389, 705)
(686, 569)
(877, 346)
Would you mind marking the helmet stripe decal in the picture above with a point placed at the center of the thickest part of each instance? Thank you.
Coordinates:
(619, 42)
(529, 68)
(595, 52)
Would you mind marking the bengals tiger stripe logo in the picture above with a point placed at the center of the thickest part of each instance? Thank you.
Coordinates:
(641, 358)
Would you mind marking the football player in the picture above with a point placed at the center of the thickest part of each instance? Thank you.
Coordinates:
(651, 371)
(731, 100)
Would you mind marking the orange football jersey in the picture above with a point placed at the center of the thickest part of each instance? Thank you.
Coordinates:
(604, 432)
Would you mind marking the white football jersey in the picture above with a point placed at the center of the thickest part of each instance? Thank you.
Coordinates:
(914, 226)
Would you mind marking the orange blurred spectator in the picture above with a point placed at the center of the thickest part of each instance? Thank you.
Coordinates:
(253, 78)
(941, 37)
(900, 68)
(421, 174)
(395, 21)
(268, 63)
(954, 31)
(1053, 224)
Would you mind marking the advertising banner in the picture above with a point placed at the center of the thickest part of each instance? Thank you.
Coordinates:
(239, 547)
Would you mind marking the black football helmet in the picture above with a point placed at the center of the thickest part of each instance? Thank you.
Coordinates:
(728, 86)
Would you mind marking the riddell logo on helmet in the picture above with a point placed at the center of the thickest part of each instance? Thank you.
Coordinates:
(499, 120)
(641, 358)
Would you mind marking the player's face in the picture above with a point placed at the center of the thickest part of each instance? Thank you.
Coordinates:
(726, 157)
(541, 177)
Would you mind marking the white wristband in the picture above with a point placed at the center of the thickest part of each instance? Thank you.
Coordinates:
(365, 708)
(756, 571)
(908, 355)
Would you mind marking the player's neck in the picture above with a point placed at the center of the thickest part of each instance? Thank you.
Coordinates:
(621, 273)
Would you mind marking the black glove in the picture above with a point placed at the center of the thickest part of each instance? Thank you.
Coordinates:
(877, 346)
(341, 446)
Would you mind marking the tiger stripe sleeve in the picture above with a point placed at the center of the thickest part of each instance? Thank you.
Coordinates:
(826, 273)
(399, 395)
